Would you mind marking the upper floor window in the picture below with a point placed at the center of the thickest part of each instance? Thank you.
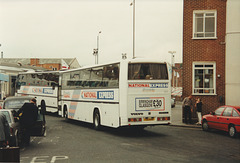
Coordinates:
(204, 81)
(204, 24)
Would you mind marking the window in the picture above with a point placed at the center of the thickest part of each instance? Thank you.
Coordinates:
(204, 24)
(98, 77)
(219, 111)
(235, 114)
(227, 111)
(147, 71)
(204, 78)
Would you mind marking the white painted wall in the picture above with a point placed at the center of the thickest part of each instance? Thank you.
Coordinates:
(233, 53)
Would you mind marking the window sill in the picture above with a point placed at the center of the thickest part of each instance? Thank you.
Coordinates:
(204, 38)
(205, 94)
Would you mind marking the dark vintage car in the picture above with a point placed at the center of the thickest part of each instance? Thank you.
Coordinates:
(226, 118)
(14, 127)
(10, 107)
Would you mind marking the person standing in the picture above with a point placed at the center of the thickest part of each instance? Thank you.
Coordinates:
(187, 104)
(4, 131)
(27, 117)
(199, 110)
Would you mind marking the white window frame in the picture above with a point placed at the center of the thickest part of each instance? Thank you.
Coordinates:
(204, 12)
(204, 68)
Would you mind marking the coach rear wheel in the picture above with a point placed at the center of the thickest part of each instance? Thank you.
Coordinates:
(65, 113)
(232, 131)
(96, 120)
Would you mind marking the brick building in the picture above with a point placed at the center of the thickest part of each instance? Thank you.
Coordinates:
(55, 64)
(204, 29)
(47, 63)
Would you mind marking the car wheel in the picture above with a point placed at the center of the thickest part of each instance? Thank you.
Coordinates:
(96, 120)
(205, 126)
(232, 131)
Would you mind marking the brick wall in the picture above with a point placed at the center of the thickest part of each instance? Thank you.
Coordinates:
(204, 50)
(49, 66)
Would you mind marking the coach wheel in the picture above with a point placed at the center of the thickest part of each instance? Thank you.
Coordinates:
(96, 120)
(232, 131)
(205, 126)
(43, 107)
(65, 112)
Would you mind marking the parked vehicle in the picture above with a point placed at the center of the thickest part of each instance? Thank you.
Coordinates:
(13, 104)
(173, 102)
(226, 118)
(14, 127)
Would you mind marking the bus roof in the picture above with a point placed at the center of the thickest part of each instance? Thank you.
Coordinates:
(136, 60)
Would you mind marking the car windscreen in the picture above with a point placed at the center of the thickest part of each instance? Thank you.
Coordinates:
(15, 104)
(7, 115)
(147, 71)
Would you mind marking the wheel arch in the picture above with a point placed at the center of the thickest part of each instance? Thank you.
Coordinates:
(231, 124)
(65, 109)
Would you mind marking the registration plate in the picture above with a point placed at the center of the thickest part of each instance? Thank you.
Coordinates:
(148, 119)
(149, 103)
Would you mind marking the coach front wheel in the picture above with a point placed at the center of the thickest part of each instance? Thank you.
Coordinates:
(96, 120)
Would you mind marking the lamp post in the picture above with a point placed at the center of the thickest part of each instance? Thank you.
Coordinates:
(172, 57)
(1, 52)
(96, 51)
(133, 4)
(98, 45)
(172, 64)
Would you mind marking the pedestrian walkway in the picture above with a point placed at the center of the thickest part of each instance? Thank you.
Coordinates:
(177, 117)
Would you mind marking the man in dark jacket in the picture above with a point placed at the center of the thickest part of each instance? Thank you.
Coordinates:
(187, 106)
(27, 117)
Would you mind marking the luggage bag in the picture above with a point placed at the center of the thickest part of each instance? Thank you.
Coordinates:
(10, 154)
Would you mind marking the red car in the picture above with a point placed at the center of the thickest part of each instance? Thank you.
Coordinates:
(226, 118)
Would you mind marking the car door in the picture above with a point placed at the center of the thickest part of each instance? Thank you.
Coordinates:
(213, 120)
(235, 119)
(40, 125)
(226, 118)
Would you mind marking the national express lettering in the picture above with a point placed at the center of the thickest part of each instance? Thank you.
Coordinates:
(101, 95)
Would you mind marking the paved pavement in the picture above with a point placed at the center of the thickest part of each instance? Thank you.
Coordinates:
(177, 117)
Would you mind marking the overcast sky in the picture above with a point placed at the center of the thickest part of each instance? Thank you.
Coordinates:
(69, 29)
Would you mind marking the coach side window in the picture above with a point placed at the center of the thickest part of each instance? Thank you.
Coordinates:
(96, 77)
(111, 76)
